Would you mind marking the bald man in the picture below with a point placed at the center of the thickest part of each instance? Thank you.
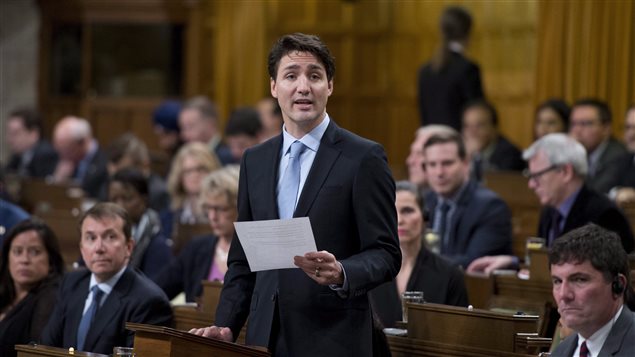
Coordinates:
(80, 159)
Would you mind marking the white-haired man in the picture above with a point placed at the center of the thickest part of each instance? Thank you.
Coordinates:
(557, 171)
(80, 158)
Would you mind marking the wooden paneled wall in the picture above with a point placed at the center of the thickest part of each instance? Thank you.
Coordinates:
(378, 46)
(527, 51)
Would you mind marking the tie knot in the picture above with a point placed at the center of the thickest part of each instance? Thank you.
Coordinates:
(445, 207)
(297, 148)
(584, 350)
(97, 293)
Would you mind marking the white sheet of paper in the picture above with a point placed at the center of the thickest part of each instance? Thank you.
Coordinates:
(273, 244)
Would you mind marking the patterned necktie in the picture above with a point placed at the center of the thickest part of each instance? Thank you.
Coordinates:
(584, 351)
(287, 197)
(87, 319)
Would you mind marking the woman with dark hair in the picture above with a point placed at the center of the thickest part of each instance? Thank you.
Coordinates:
(449, 80)
(552, 116)
(30, 270)
(129, 189)
(421, 269)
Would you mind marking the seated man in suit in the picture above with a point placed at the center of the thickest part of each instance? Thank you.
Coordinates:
(624, 190)
(590, 124)
(557, 168)
(31, 155)
(591, 285)
(414, 161)
(81, 159)
(94, 305)
(488, 149)
(471, 221)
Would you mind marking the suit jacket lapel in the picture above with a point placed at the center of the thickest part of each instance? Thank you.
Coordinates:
(75, 314)
(324, 159)
(107, 310)
(268, 176)
(615, 339)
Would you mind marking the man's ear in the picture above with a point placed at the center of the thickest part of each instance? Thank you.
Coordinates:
(272, 84)
(330, 87)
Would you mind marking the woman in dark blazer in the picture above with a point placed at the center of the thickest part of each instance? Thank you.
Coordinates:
(421, 269)
(30, 269)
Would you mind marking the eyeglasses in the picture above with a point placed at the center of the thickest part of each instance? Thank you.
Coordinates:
(195, 170)
(536, 175)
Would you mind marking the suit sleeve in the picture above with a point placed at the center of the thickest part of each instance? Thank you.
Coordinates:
(170, 280)
(235, 298)
(152, 310)
(379, 259)
(457, 293)
(490, 236)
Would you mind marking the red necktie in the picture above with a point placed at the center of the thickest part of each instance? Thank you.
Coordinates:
(584, 351)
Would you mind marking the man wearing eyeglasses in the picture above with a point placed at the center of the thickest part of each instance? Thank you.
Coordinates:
(590, 124)
(557, 171)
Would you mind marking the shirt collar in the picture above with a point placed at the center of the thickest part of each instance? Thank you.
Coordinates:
(596, 341)
(311, 139)
(107, 285)
(565, 207)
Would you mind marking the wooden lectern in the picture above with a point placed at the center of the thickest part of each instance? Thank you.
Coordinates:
(41, 350)
(158, 341)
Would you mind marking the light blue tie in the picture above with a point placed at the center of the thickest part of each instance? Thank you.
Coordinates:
(87, 319)
(290, 183)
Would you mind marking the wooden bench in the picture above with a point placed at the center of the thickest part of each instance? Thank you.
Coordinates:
(183, 233)
(523, 203)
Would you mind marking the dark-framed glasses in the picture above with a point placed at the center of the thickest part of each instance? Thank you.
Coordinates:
(536, 175)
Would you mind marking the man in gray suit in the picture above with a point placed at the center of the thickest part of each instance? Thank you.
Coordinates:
(591, 285)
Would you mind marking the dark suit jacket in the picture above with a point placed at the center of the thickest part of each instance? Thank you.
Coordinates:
(42, 163)
(133, 299)
(442, 95)
(620, 341)
(440, 281)
(506, 156)
(25, 322)
(349, 196)
(590, 206)
(151, 252)
(186, 272)
(626, 171)
(608, 167)
(96, 175)
(481, 225)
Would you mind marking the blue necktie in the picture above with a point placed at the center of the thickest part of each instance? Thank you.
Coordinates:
(443, 223)
(87, 319)
(290, 183)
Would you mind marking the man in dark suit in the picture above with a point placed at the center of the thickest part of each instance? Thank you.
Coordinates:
(590, 124)
(471, 221)
(31, 155)
(198, 122)
(81, 159)
(591, 283)
(94, 305)
(623, 190)
(449, 80)
(487, 148)
(343, 184)
(557, 169)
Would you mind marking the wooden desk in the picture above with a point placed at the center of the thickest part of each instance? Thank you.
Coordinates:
(158, 341)
(183, 233)
(41, 350)
(459, 326)
(408, 347)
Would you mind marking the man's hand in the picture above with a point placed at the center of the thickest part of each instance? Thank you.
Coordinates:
(490, 263)
(321, 267)
(624, 196)
(215, 332)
